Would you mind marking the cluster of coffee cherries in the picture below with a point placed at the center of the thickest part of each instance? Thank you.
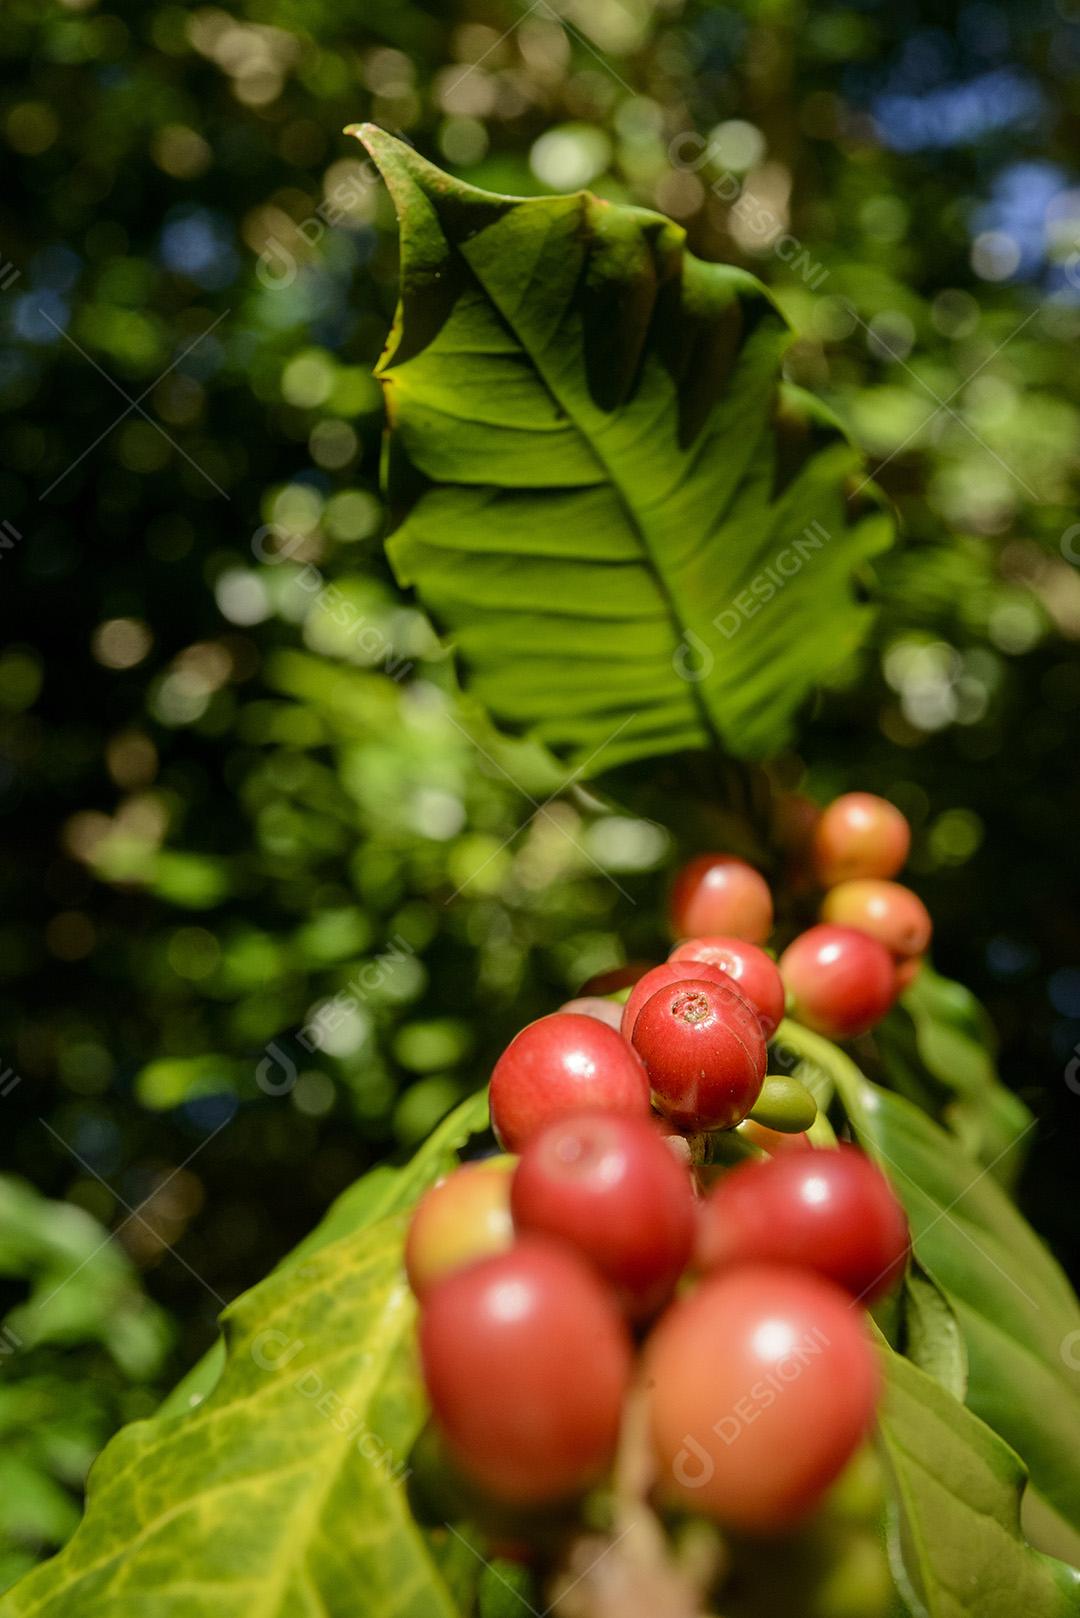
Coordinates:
(843, 975)
(607, 1255)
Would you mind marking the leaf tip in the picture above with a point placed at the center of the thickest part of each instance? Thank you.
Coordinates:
(396, 160)
(368, 134)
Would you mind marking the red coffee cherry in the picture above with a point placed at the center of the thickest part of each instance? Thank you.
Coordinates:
(892, 914)
(754, 974)
(526, 1362)
(658, 977)
(794, 819)
(840, 981)
(594, 1005)
(906, 973)
(718, 893)
(832, 1211)
(463, 1218)
(687, 1150)
(612, 1188)
(762, 1384)
(704, 1052)
(561, 1064)
(773, 1140)
(615, 978)
(859, 835)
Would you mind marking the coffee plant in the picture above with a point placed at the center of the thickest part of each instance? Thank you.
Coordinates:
(723, 1305)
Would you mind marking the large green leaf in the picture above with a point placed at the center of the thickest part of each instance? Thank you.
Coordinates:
(637, 539)
(932, 1337)
(958, 1551)
(1018, 1315)
(939, 1048)
(280, 1494)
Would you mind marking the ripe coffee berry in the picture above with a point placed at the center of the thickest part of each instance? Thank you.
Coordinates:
(526, 1362)
(658, 977)
(762, 1384)
(615, 978)
(704, 1053)
(906, 973)
(859, 835)
(612, 1188)
(463, 1218)
(718, 893)
(773, 1140)
(595, 1005)
(753, 973)
(889, 912)
(794, 818)
(687, 1150)
(831, 1211)
(561, 1064)
(840, 982)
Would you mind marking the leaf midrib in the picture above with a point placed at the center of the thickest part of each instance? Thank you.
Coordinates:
(371, 1369)
(679, 628)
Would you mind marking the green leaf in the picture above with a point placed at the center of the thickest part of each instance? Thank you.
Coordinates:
(956, 1542)
(1019, 1317)
(600, 482)
(939, 1048)
(932, 1337)
(281, 1493)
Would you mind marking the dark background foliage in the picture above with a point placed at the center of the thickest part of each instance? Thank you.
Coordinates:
(236, 776)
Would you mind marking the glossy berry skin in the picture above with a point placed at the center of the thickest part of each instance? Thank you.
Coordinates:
(617, 977)
(832, 1212)
(794, 819)
(610, 1187)
(773, 1140)
(527, 1361)
(906, 973)
(718, 893)
(463, 1218)
(595, 1005)
(755, 974)
(704, 1053)
(762, 1384)
(859, 835)
(889, 912)
(658, 977)
(840, 982)
(561, 1064)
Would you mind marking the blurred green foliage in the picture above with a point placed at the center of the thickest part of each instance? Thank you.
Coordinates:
(80, 1353)
(242, 799)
